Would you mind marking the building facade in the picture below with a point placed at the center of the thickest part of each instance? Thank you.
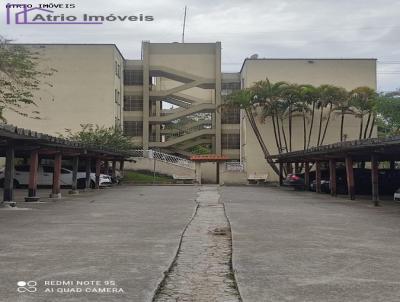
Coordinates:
(170, 99)
(346, 73)
(85, 87)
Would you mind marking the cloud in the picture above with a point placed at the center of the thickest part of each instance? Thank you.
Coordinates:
(271, 28)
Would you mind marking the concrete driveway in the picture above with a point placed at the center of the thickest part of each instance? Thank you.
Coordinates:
(115, 244)
(303, 246)
(112, 239)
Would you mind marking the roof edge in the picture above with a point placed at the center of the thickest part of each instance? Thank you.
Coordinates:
(309, 59)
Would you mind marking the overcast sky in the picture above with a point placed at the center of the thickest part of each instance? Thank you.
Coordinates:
(269, 28)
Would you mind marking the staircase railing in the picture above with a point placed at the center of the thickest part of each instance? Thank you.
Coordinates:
(164, 157)
(188, 130)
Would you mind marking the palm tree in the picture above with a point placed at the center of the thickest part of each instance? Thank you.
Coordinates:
(320, 105)
(363, 99)
(270, 96)
(340, 98)
(329, 96)
(290, 97)
(309, 96)
(270, 110)
(247, 100)
(302, 106)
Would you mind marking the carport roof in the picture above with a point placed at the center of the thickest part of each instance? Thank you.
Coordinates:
(383, 148)
(30, 139)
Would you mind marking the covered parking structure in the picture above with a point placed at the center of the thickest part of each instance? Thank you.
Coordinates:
(31, 146)
(372, 150)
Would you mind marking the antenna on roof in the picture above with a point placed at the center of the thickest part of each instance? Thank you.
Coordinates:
(184, 26)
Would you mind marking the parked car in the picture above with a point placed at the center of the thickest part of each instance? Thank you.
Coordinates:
(341, 186)
(396, 195)
(115, 180)
(45, 177)
(294, 180)
(325, 186)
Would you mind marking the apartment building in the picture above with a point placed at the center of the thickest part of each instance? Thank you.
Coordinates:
(170, 99)
(86, 87)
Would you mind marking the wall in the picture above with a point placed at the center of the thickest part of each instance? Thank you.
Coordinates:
(83, 88)
(233, 178)
(347, 73)
(208, 173)
(194, 58)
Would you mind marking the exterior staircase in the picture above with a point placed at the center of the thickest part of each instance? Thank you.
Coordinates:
(205, 107)
(180, 139)
(155, 161)
(187, 104)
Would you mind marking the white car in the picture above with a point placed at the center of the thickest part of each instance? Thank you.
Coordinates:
(396, 196)
(45, 177)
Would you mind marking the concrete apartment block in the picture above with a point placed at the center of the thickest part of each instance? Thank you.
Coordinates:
(170, 99)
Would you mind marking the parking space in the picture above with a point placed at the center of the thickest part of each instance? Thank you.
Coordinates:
(302, 246)
(128, 235)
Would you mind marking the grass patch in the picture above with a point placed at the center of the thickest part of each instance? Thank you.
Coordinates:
(144, 177)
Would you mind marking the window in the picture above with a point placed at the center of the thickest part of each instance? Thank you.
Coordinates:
(117, 96)
(133, 77)
(48, 169)
(133, 103)
(230, 141)
(133, 128)
(22, 168)
(65, 171)
(230, 115)
(228, 88)
(117, 123)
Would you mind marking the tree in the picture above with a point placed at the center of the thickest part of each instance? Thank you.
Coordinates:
(302, 106)
(246, 99)
(309, 95)
(323, 101)
(292, 102)
(20, 77)
(343, 107)
(363, 99)
(388, 115)
(107, 137)
(268, 96)
(200, 149)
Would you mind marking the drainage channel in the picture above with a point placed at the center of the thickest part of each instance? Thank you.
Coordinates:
(202, 269)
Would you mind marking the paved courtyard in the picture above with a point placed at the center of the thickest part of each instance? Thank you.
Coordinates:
(120, 244)
(303, 246)
(124, 234)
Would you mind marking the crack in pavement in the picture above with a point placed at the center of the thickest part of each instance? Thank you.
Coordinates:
(202, 269)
